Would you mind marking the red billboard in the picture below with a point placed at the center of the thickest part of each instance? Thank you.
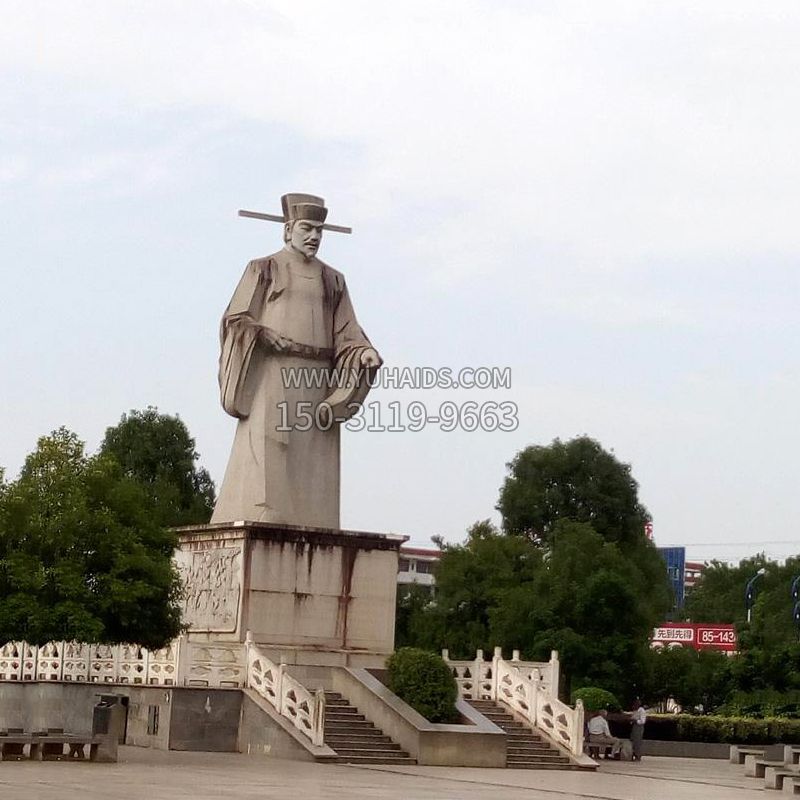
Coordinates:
(699, 635)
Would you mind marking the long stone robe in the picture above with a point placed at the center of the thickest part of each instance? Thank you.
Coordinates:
(277, 475)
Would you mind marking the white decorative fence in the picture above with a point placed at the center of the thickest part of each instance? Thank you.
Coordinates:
(180, 663)
(291, 699)
(529, 688)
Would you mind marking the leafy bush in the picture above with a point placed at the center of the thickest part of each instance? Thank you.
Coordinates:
(595, 699)
(728, 730)
(425, 682)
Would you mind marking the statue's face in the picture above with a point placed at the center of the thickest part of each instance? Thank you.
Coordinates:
(305, 237)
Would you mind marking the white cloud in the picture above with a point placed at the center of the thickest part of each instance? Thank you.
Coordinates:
(624, 129)
(535, 167)
(13, 168)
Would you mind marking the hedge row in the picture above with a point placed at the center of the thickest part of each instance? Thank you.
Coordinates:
(728, 730)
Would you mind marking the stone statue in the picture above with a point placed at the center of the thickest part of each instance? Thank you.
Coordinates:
(294, 365)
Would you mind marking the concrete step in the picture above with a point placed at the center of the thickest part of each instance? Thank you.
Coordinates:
(390, 750)
(355, 739)
(342, 711)
(376, 760)
(533, 750)
(347, 719)
(356, 725)
(358, 736)
(544, 758)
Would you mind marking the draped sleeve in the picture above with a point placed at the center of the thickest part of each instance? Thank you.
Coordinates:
(239, 337)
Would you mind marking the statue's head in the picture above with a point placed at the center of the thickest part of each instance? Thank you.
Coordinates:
(305, 215)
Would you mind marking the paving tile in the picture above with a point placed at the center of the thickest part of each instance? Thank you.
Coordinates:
(157, 775)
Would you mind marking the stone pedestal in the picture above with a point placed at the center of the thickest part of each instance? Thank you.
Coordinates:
(311, 596)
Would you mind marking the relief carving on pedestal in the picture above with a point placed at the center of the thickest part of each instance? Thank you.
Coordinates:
(212, 581)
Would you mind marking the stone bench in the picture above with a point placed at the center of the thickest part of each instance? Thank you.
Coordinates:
(738, 753)
(791, 785)
(57, 747)
(756, 767)
(774, 777)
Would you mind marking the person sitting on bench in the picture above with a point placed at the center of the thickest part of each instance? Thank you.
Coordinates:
(599, 734)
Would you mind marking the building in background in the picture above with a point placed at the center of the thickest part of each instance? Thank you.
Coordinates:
(692, 574)
(675, 559)
(417, 565)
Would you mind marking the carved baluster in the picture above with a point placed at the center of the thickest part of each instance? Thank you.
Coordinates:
(496, 660)
(577, 736)
(318, 722)
(554, 674)
(279, 685)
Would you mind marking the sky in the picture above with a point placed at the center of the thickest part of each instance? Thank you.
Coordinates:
(602, 197)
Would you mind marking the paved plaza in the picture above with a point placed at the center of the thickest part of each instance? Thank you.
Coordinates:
(157, 775)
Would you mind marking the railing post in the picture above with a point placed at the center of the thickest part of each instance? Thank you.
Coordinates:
(446, 655)
(577, 747)
(554, 674)
(515, 655)
(86, 649)
(146, 655)
(182, 659)
(116, 661)
(477, 673)
(496, 659)
(318, 721)
(279, 687)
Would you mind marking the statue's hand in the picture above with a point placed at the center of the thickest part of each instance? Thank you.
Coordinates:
(274, 340)
(370, 358)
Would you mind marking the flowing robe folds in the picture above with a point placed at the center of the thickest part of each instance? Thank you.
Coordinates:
(283, 469)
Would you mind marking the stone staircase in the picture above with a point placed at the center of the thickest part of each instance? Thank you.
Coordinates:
(526, 749)
(355, 739)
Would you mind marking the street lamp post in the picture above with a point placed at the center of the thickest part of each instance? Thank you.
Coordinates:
(750, 592)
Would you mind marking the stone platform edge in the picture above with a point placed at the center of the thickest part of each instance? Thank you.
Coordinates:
(291, 534)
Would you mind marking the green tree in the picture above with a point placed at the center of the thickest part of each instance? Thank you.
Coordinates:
(583, 598)
(673, 674)
(81, 555)
(472, 580)
(576, 480)
(588, 601)
(719, 597)
(158, 451)
(417, 623)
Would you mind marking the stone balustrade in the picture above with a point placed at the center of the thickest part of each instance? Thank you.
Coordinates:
(306, 711)
(529, 688)
(180, 663)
